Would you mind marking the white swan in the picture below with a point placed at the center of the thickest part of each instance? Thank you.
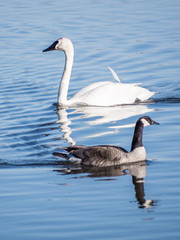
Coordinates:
(99, 93)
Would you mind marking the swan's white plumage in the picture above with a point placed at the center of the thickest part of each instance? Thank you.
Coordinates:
(99, 93)
(110, 93)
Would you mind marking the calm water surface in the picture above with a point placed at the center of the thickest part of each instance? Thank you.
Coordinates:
(39, 200)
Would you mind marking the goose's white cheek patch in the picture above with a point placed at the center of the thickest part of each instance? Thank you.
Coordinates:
(145, 123)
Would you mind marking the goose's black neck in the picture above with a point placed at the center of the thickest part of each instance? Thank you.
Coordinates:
(137, 138)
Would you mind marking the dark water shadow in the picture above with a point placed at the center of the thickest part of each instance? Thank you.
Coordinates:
(164, 100)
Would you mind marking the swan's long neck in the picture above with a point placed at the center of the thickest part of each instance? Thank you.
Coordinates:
(64, 84)
(137, 138)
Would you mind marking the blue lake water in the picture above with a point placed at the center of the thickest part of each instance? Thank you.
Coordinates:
(141, 41)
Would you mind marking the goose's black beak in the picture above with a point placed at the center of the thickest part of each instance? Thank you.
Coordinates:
(155, 123)
(52, 47)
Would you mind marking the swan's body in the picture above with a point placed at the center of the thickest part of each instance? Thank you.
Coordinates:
(109, 94)
(107, 155)
(100, 93)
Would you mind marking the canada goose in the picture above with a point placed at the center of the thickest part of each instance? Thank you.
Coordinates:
(107, 155)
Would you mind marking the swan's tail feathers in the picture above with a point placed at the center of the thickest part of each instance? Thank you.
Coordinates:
(114, 74)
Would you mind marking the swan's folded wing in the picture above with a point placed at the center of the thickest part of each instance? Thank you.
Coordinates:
(87, 89)
(99, 156)
(110, 93)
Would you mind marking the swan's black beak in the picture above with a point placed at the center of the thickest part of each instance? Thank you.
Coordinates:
(52, 47)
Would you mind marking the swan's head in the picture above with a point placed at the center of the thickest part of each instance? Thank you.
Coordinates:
(62, 44)
(146, 121)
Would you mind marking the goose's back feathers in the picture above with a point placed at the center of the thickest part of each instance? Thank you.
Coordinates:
(99, 156)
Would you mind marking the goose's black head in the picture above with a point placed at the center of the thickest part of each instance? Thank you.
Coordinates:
(145, 120)
(138, 131)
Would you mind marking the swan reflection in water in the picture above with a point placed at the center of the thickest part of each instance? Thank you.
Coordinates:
(136, 170)
(97, 116)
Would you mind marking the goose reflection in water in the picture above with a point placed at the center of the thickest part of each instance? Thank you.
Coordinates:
(136, 170)
(97, 116)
